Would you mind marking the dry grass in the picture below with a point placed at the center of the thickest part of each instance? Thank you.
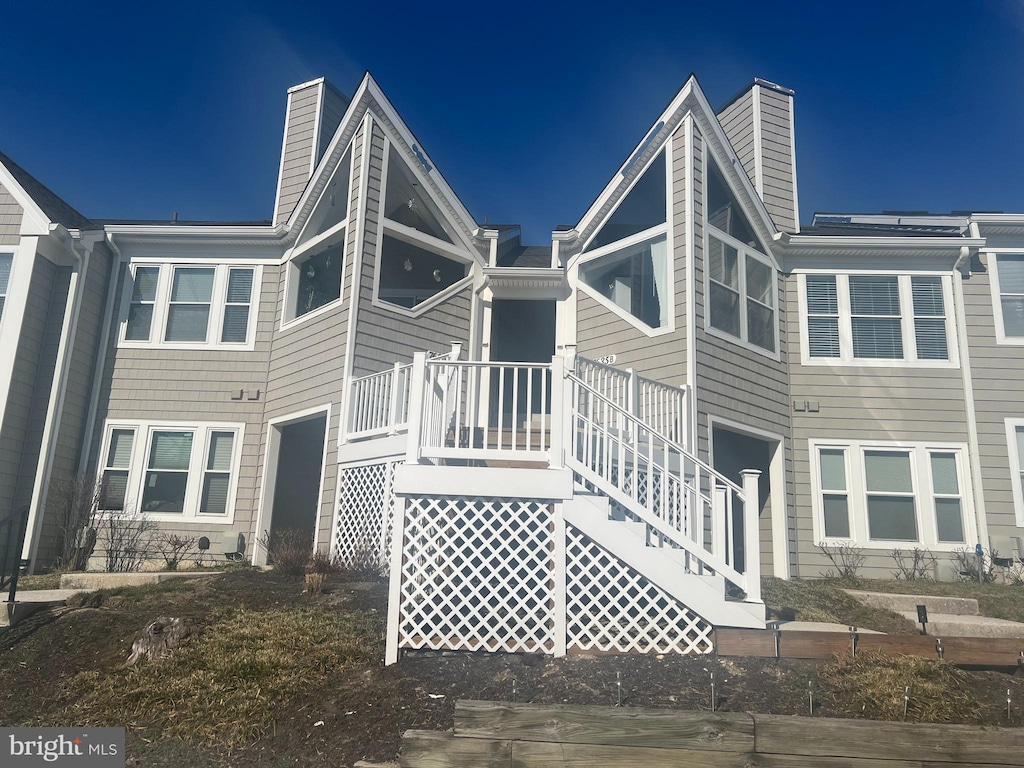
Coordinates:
(222, 688)
(872, 686)
(825, 600)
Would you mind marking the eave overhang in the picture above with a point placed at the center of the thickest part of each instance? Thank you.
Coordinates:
(819, 251)
(525, 282)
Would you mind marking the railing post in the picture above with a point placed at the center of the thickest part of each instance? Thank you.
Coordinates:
(393, 404)
(560, 401)
(559, 601)
(752, 533)
(719, 509)
(569, 353)
(456, 349)
(417, 394)
(395, 580)
(633, 394)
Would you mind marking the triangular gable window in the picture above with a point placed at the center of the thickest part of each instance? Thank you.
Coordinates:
(724, 211)
(643, 208)
(332, 209)
(406, 203)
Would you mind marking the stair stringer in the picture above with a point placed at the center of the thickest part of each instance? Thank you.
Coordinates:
(693, 591)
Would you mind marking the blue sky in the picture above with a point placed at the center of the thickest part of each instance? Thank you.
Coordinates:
(137, 110)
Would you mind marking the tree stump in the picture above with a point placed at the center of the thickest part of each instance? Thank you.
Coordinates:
(160, 637)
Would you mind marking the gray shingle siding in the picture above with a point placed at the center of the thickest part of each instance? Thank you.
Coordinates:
(10, 219)
(997, 373)
(303, 111)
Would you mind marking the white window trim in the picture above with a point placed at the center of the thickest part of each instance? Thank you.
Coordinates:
(7, 290)
(743, 252)
(1015, 467)
(196, 471)
(161, 305)
(992, 261)
(621, 245)
(924, 502)
(420, 240)
(846, 358)
(649, 234)
(294, 263)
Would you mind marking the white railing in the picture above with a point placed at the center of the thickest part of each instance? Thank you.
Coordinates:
(660, 406)
(684, 502)
(480, 411)
(378, 404)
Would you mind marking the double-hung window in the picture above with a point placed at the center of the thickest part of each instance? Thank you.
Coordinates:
(876, 319)
(741, 289)
(886, 495)
(1015, 451)
(1008, 296)
(171, 471)
(190, 306)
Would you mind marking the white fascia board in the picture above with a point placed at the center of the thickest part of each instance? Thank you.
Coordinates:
(33, 220)
(799, 250)
(998, 218)
(343, 136)
(218, 242)
(711, 128)
(425, 479)
(467, 222)
(610, 188)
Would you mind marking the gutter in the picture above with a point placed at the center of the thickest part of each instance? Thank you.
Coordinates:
(973, 443)
(81, 251)
(102, 353)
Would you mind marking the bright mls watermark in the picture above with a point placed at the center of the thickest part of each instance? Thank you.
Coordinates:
(78, 747)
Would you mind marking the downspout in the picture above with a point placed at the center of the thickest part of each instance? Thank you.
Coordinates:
(102, 352)
(58, 390)
(973, 444)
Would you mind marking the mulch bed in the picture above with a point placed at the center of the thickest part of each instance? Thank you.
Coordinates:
(361, 712)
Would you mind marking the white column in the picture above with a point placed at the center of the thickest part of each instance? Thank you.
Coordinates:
(751, 534)
(416, 397)
(395, 583)
(558, 576)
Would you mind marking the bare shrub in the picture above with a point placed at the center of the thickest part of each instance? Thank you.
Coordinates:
(915, 565)
(315, 582)
(127, 540)
(72, 502)
(967, 568)
(365, 560)
(846, 559)
(174, 549)
(288, 550)
(322, 563)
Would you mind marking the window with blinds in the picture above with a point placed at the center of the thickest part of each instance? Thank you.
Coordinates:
(114, 479)
(191, 306)
(876, 318)
(1010, 280)
(6, 261)
(171, 472)
(885, 496)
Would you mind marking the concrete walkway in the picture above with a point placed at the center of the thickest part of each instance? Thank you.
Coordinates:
(947, 616)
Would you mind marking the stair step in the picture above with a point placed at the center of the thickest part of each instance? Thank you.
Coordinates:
(956, 606)
(960, 625)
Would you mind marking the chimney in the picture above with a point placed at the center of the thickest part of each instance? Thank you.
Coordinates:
(312, 116)
(759, 124)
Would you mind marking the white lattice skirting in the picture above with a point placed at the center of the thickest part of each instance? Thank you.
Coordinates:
(612, 607)
(478, 575)
(366, 505)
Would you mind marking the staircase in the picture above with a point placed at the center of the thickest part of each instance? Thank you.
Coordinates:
(556, 508)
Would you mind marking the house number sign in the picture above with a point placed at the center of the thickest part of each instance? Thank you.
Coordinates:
(606, 360)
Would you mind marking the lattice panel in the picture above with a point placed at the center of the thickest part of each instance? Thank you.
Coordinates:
(362, 536)
(477, 575)
(612, 607)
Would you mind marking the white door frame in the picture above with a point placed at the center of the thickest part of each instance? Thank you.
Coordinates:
(269, 485)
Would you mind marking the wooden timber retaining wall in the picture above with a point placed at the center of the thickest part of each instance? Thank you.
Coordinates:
(501, 735)
(794, 644)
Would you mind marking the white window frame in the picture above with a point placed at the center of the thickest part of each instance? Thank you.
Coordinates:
(665, 229)
(909, 359)
(215, 323)
(137, 467)
(743, 252)
(414, 237)
(992, 261)
(1016, 467)
(924, 495)
(7, 288)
